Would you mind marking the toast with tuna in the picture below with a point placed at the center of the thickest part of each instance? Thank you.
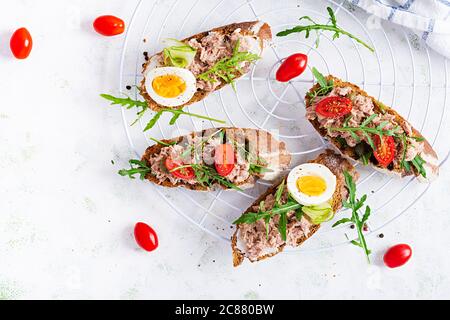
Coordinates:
(214, 46)
(197, 161)
(254, 242)
(369, 131)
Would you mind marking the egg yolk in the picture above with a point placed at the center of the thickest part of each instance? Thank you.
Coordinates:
(311, 185)
(169, 86)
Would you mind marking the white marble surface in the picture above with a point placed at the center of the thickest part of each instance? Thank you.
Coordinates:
(66, 218)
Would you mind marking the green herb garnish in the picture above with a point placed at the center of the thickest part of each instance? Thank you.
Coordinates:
(278, 209)
(366, 131)
(176, 114)
(355, 205)
(365, 157)
(418, 164)
(229, 68)
(137, 167)
(325, 27)
(207, 176)
(193, 147)
(163, 143)
(129, 103)
(258, 169)
(325, 85)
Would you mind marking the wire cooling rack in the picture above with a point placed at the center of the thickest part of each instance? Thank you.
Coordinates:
(402, 73)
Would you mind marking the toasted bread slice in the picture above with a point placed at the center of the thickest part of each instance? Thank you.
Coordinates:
(337, 164)
(257, 30)
(428, 154)
(261, 143)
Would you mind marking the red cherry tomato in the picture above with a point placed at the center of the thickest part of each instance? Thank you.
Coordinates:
(292, 67)
(334, 107)
(397, 255)
(145, 236)
(109, 25)
(385, 150)
(184, 173)
(224, 159)
(21, 43)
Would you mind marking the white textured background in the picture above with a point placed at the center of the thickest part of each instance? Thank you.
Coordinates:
(66, 218)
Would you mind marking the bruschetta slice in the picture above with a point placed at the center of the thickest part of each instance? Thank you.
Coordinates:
(228, 158)
(218, 57)
(364, 129)
(261, 239)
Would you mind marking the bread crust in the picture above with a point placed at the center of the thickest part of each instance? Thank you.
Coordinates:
(337, 165)
(264, 34)
(428, 154)
(248, 132)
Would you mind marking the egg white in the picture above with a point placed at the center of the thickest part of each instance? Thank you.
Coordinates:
(311, 169)
(186, 75)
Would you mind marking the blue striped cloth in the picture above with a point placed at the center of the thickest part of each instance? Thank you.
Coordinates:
(429, 19)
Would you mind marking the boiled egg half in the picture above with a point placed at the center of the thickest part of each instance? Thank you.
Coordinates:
(311, 184)
(170, 86)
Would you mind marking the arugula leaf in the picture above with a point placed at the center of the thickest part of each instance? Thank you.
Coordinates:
(124, 102)
(325, 86)
(129, 103)
(332, 16)
(363, 154)
(368, 120)
(282, 210)
(355, 205)
(228, 68)
(137, 167)
(176, 114)
(325, 27)
(258, 169)
(320, 77)
(250, 218)
(365, 158)
(206, 175)
(163, 143)
(418, 164)
(299, 214)
(342, 221)
(282, 225)
(279, 193)
(367, 131)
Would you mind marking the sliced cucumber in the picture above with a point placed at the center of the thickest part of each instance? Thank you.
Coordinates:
(178, 54)
(319, 213)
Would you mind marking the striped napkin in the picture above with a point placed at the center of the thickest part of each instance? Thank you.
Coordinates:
(429, 19)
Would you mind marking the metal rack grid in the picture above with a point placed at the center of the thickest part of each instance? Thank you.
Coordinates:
(213, 212)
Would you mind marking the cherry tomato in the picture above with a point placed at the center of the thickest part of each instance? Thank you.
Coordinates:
(184, 173)
(145, 236)
(21, 43)
(334, 107)
(224, 159)
(397, 255)
(385, 150)
(292, 67)
(109, 25)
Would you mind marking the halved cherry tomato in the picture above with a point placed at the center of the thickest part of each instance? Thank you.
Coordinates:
(334, 107)
(224, 159)
(21, 43)
(183, 173)
(385, 150)
(292, 67)
(109, 25)
(397, 255)
(145, 236)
